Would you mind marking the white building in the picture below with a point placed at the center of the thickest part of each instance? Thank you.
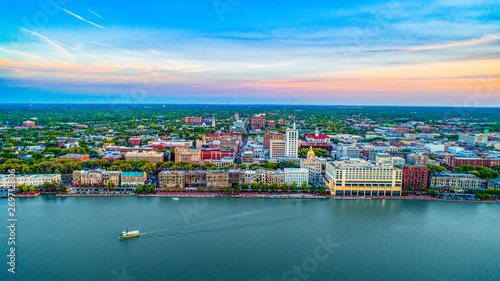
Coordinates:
(455, 149)
(298, 175)
(348, 151)
(471, 139)
(434, 147)
(29, 180)
(292, 142)
(383, 157)
(360, 177)
(398, 161)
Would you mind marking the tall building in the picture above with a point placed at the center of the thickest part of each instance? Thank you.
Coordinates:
(313, 165)
(258, 121)
(277, 148)
(292, 142)
(360, 177)
(415, 176)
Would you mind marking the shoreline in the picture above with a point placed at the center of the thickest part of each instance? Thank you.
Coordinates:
(254, 196)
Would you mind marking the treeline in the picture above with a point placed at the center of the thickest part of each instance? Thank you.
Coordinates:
(484, 173)
(66, 166)
(274, 187)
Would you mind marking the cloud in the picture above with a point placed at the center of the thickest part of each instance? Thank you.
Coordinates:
(471, 42)
(111, 47)
(82, 52)
(22, 54)
(51, 42)
(154, 52)
(83, 7)
(80, 18)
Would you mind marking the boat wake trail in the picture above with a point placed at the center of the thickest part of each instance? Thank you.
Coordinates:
(222, 224)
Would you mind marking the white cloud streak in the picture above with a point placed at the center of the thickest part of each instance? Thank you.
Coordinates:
(80, 18)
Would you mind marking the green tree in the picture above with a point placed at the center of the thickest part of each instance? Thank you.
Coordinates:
(236, 190)
(264, 187)
(293, 187)
(150, 189)
(304, 186)
(284, 187)
(244, 186)
(322, 190)
(432, 192)
(139, 189)
(274, 187)
(148, 168)
(111, 185)
(254, 186)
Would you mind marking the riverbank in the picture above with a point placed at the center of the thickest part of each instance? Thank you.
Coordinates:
(245, 195)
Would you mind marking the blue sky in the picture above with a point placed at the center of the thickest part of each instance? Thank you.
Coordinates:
(299, 52)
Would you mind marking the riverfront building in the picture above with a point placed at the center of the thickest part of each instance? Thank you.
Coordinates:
(96, 177)
(297, 175)
(415, 177)
(447, 181)
(133, 178)
(313, 166)
(30, 180)
(360, 177)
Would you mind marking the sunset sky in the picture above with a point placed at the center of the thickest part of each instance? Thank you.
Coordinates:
(443, 52)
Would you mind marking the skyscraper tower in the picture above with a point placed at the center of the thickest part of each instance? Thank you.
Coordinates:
(292, 142)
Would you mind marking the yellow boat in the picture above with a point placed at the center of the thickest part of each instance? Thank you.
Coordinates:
(129, 234)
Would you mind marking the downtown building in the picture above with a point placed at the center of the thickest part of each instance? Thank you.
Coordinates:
(415, 177)
(360, 177)
(349, 151)
(313, 166)
(257, 122)
(151, 156)
(133, 178)
(292, 142)
(96, 177)
(36, 180)
(297, 175)
(447, 181)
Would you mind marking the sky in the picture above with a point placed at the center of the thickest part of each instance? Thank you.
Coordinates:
(443, 52)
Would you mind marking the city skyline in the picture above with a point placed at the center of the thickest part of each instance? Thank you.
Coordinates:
(251, 52)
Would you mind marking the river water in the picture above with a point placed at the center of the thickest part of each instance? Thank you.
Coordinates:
(252, 239)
